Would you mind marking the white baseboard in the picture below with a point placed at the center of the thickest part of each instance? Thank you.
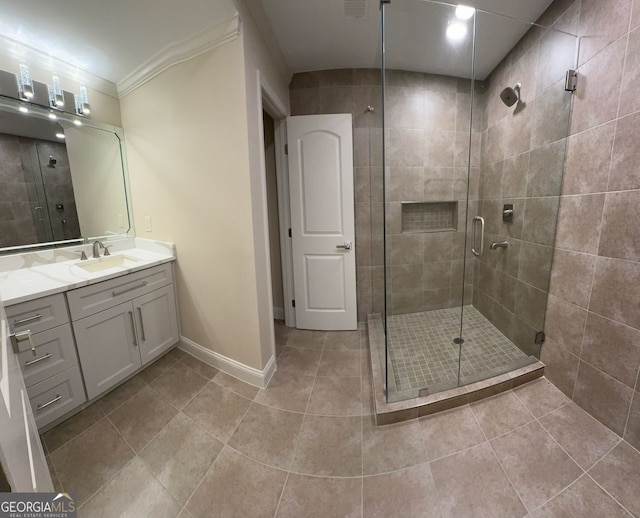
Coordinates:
(278, 313)
(256, 377)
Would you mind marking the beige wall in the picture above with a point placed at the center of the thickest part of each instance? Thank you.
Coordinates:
(186, 136)
(263, 70)
(196, 162)
(592, 351)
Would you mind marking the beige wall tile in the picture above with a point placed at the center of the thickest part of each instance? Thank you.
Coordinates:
(596, 102)
(625, 162)
(571, 277)
(612, 295)
(601, 24)
(612, 348)
(564, 324)
(546, 166)
(551, 116)
(605, 398)
(630, 102)
(540, 219)
(579, 223)
(635, 15)
(561, 367)
(620, 234)
(632, 433)
(588, 159)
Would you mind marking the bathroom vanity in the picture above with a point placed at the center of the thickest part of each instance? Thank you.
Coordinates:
(82, 327)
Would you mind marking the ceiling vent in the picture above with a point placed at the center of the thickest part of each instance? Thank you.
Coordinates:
(355, 8)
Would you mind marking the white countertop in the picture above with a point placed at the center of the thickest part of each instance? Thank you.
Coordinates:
(30, 276)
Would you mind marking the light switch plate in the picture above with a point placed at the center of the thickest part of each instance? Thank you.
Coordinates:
(147, 223)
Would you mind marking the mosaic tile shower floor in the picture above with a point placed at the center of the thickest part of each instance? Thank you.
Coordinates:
(423, 354)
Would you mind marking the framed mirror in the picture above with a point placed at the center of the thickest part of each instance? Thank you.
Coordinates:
(63, 179)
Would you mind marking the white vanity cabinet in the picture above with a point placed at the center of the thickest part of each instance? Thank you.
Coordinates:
(122, 324)
(48, 357)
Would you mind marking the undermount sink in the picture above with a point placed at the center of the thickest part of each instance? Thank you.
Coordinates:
(105, 263)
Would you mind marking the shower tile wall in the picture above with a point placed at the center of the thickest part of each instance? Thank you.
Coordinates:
(523, 149)
(17, 195)
(592, 352)
(427, 154)
(22, 188)
(58, 187)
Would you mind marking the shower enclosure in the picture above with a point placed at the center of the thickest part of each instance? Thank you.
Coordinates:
(465, 202)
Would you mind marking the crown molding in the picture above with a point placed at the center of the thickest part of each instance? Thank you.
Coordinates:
(33, 57)
(185, 50)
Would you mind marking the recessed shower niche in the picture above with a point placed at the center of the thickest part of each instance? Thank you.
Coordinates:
(441, 216)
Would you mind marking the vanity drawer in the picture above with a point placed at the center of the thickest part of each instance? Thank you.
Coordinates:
(103, 295)
(55, 396)
(55, 352)
(38, 315)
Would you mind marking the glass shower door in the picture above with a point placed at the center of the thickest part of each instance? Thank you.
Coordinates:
(524, 129)
(430, 187)
(476, 118)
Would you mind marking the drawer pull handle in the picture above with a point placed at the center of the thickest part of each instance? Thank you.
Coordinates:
(37, 316)
(133, 328)
(144, 338)
(48, 403)
(31, 362)
(115, 293)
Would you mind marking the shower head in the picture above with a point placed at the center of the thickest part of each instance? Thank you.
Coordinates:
(52, 162)
(510, 95)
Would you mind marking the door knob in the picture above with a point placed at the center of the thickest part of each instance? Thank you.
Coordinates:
(346, 246)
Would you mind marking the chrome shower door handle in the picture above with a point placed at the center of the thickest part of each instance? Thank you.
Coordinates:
(346, 246)
(473, 249)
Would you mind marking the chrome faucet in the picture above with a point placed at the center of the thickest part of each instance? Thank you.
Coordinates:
(500, 244)
(97, 245)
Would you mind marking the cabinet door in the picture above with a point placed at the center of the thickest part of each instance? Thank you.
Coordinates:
(108, 348)
(157, 322)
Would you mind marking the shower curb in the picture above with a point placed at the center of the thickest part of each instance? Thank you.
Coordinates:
(389, 413)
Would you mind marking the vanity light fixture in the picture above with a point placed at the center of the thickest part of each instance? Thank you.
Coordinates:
(56, 97)
(25, 85)
(456, 31)
(82, 102)
(464, 12)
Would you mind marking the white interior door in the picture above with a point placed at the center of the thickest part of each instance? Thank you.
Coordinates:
(322, 221)
(21, 454)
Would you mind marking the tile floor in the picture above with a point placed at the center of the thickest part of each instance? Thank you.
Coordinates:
(423, 354)
(182, 439)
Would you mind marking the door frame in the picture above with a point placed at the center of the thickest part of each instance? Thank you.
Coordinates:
(269, 102)
(284, 217)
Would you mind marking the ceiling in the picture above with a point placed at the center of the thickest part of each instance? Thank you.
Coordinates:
(110, 39)
(316, 35)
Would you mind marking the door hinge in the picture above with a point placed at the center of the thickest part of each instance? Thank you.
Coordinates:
(540, 337)
(286, 149)
(289, 232)
(571, 81)
(293, 303)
